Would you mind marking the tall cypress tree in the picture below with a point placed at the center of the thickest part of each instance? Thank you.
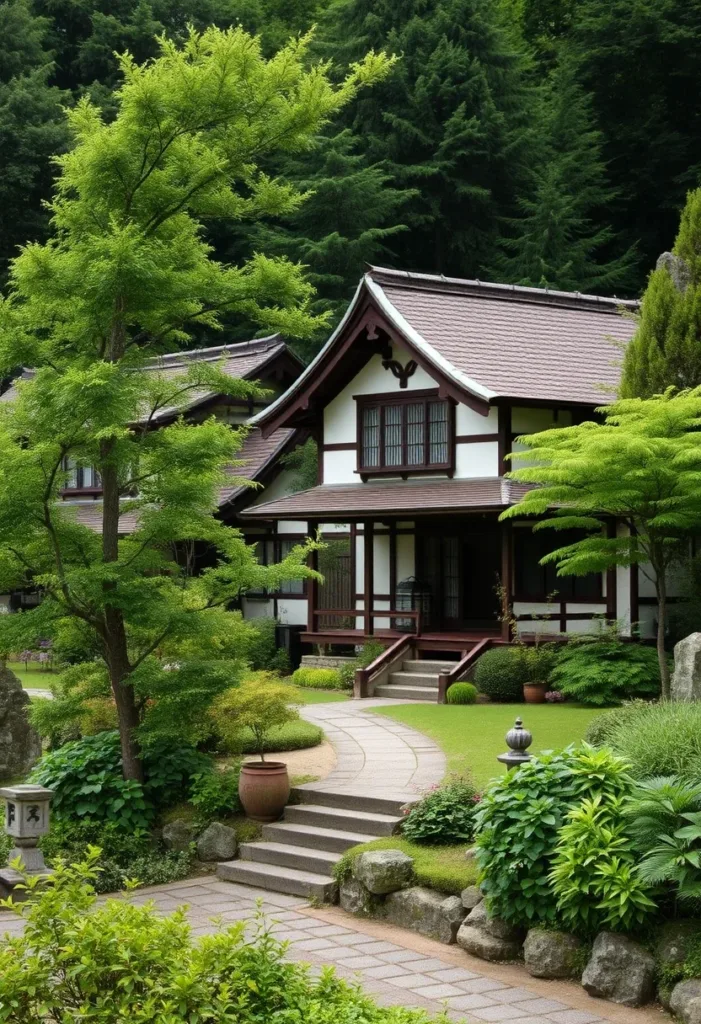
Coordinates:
(559, 240)
(666, 349)
(452, 121)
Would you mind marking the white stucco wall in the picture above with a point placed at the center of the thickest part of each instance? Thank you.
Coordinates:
(477, 459)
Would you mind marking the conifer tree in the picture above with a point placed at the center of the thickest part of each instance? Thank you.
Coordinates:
(559, 240)
(666, 348)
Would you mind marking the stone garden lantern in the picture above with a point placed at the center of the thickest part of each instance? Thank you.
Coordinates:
(518, 740)
(26, 821)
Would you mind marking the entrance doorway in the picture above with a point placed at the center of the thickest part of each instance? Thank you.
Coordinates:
(460, 564)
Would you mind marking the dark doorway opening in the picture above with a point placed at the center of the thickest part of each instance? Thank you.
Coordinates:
(460, 563)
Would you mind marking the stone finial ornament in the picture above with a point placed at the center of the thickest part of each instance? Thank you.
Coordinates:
(518, 740)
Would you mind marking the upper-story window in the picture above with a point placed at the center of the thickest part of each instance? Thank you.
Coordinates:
(405, 434)
(81, 478)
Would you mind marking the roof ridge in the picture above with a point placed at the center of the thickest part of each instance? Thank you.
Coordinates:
(232, 348)
(513, 292)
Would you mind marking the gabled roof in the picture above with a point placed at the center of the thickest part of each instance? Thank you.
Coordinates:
(490, 342)
(346, 502)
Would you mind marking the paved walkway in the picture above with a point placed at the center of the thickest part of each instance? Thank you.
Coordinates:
(395, 966)
(375, 754)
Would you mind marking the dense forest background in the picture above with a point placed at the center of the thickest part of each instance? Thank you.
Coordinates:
(542, 142)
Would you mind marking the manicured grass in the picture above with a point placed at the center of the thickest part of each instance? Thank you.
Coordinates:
(473, 735)
(32, 678)
(291, 736)
(438, 867)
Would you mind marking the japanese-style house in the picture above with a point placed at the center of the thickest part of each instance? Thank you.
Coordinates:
(416, 400)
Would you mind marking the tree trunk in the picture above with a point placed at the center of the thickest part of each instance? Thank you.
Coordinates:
(661, 588)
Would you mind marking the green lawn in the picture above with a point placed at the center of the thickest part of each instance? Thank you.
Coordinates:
(32, 678)
(438, 867)
(473, 735)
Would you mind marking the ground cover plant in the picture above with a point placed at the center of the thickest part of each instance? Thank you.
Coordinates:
(319, 679)
(444, 816)
(443, 868)
(471, 737)
(655, 739)
(600, 670)
(116, 962)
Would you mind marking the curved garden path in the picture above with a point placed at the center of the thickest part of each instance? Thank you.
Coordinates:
(376, 755)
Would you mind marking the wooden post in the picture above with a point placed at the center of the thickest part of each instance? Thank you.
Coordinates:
(392, 567)
(611, 581)
(634, 594)
(312, 589)
(369, 562)
(504, 438)
(507, 574)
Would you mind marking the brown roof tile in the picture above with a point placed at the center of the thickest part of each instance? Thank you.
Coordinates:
(89, 513)
(416, 498)
(257, 453)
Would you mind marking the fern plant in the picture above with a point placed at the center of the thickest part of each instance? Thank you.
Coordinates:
(665, 818)
(600, 670)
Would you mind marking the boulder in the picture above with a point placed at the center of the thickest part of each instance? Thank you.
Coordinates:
(471, 897)
(217, 842)
(551, 954)
(677, 268)
(383, 871)
(20, 744)
(489, 937)
(685, 1001)
(675, 941)
(426, 911)
(471, 853)
(686, 678)
(620, 970)
(177, 835)
(354, 897)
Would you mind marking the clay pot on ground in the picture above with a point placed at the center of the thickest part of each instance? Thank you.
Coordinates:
(264, 789)
(534, 693)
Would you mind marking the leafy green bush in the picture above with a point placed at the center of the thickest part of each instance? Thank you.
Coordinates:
(444, 816)
(461, 693)
(124, 962)
(368, 652)
(86, 777)
(320, 678)
(250, 717)
(518, 820)
(664, 818)
(443, 868)
(605, 724)
(595, 873)
(501, 673)
(658, 739)
(216, 792)
(603, 670)
(262, 650)
(291, 736)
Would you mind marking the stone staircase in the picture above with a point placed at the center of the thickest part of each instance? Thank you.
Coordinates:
(297, 855)
(416, 680)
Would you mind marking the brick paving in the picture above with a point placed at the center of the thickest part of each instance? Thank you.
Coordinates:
(395, 966)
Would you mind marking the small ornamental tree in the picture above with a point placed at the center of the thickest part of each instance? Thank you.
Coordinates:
(642, 465)
(253, 705)
(125, 276)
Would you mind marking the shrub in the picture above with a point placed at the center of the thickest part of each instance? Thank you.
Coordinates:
(605, 724)
(658, 739)
(518, 820)
(291, 736)
(262, 649)
(216, 792)
(461, 693)
(501, 673)
(595, 876)
(602, 670)
(253, 707)
(367, 654)
(443, 817)
(320, 679)
(125, 962)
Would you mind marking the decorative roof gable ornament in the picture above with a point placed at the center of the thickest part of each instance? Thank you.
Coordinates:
(402, 373)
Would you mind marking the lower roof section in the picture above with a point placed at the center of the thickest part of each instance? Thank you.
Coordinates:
(345, 502)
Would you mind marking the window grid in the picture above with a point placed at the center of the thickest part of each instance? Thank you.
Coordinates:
(407, 435)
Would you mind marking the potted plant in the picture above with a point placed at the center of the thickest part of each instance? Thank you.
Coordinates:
(256, 708)
(538, 661)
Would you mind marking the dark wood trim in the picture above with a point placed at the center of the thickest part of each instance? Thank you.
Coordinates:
(342, 446)
(376, 597)
(557, 617)
(517, 402)
(652, 600)
(393, 565)
(369, 566)
(507, 578)
(312, 586)
(543, 599)
(475, 438)
(395, 397)
(381, 402)
(504, 439)
(354, 559)
(634, 590)
(611, 580)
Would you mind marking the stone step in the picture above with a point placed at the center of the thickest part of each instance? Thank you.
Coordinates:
(370, 824)
(278, 879)
(354, 800)
(424, 665)
(429, 693)
(318, 862)
(312, 836)
(413, 679)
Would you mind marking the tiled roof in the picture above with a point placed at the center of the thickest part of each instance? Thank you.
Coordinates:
(257, 453)
(89, 513)
(416, 498)
(515, 342)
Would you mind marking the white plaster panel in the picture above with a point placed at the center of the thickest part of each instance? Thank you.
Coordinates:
(596, 608)
(406, 556)
(645, 584)
(623, 610)
(529, 421)
(381, 564)
(293, 526)
(280, 487)
(359, 564)
(535, 608)
(475, 460)
(292, 611)
(539, 626)
(584, 626)
(340, 467)
(648, 621)
(469, 421)
(257, 609)
(334, 528)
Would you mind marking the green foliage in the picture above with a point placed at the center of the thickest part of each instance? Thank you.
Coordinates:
(253, 706)
(87, 780)
(501, 673)
(370, 650)
(296, 735)
(319, 678)
(518, 821)
(262, 651)
(656, 739)
(444, 816)
(601, 670)
(601, 727)
(596, 875)
(461, 693)
(639, 465)
(304, 463)
(443, 868)
(121, 961)
(688, 966)
(216, 792)
(665, 823)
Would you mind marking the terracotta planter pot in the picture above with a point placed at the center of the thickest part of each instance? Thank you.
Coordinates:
(534, 693)
(264, 789)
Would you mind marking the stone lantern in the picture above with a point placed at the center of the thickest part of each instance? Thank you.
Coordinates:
(26, 821)
(518, 740)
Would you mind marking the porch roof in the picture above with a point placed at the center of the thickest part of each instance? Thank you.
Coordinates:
(345, 502)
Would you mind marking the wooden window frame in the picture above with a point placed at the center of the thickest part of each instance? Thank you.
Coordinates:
(277, 539)
(382, 401)
(94, 490)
